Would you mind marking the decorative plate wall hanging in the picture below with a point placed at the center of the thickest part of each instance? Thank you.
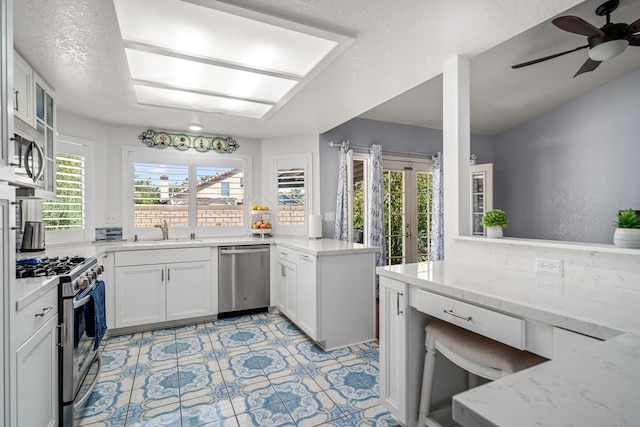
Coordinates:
(183, 142)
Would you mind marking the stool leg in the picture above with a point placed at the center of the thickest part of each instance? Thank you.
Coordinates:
(427, 379)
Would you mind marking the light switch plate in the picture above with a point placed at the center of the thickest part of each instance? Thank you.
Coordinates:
(110, 219)
(329, 216)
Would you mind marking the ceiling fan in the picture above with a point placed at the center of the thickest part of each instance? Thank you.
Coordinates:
(604, 43)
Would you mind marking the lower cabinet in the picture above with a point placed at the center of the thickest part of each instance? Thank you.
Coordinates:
(37, 373)
(323, 293)
(155, 292)
(34, 362)
(393, 336)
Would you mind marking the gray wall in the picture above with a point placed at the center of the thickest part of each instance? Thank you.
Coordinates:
(564, 174)
(364, 133)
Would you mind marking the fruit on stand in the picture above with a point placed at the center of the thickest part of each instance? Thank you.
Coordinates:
(261, 225)
(259, 208)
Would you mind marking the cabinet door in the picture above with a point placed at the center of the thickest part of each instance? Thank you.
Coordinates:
(393, 358)
(307, 295)
(140, 292)
(37, 378)
(188, 289)
(286, 291)
(22, 90)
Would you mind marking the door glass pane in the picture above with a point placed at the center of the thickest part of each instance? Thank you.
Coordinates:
(358, 201)
(39, 102)
(49, 111)
(395, 215)
(425, 203)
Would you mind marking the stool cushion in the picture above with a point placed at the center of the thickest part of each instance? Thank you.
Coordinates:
(482, 350)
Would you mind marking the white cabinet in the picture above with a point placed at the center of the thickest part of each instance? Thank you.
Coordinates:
(481, 195)
(34, 362)
(148, 290)
(323, 293)
(393, 357)
(286, 282)
(188, 290)
(307, 299)
(37, 378)
(23, 85)
(141, 296)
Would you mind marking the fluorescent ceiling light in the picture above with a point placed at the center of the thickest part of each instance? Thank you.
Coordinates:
(213, 56)
(209, 33)
(181, 73)
(199, 102)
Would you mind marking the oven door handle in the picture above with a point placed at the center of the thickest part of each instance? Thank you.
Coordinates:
(80, 402)
(79, 303)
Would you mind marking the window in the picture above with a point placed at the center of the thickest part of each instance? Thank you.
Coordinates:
(190, 192)
(66, 212)
(66, 217)
(292, 197)
(224, 189)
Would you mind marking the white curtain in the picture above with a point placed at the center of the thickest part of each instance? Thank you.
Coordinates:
(375, 217)
(437, 215)
(341, 230)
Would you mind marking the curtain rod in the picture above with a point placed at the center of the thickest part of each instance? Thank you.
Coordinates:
(384, 151)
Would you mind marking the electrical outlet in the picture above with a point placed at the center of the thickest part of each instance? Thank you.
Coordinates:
(549, 266)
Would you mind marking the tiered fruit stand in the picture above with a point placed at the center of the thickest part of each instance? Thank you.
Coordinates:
(261, 222)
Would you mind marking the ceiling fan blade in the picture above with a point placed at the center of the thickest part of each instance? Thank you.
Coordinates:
(634, 40)
(535, 61)
(576, 25)
(590, 65)
(634, 27)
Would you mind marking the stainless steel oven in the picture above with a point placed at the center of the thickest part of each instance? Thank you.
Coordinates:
(80, 363)
(29, 157)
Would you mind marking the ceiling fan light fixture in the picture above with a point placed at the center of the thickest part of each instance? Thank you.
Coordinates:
(608, 50)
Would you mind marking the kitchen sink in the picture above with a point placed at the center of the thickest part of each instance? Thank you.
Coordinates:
(157, 242)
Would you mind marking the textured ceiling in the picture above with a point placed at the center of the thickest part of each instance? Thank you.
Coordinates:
(75, 46)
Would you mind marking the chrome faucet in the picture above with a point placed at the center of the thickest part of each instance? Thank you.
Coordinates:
(164, 227)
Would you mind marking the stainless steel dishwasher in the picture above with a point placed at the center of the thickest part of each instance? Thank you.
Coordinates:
(243, 278)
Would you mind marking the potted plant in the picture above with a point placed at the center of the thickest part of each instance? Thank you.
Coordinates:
(494, 221)
(627, 235)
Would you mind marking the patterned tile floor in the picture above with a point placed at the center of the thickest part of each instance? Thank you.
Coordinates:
(257, 370)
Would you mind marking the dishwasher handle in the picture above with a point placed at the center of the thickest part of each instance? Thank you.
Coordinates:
(224, 251)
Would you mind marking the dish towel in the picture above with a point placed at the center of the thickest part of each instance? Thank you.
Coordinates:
(94, 314)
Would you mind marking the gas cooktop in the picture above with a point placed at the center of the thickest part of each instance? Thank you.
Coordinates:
(40, 267)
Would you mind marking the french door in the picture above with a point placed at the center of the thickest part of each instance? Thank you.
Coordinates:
(407, 186)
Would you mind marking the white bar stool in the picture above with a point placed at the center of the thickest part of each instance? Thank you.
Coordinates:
(476, 354)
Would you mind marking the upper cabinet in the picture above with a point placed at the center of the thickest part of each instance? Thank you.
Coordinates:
(23, 84)
(35, 104)
(45, 123)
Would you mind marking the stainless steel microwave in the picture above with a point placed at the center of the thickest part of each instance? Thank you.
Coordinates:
(29, 158)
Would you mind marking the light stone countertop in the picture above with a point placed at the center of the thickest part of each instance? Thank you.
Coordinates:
(23, 291)
(596, 386)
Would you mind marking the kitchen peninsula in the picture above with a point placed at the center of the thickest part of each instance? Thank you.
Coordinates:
(591, 333)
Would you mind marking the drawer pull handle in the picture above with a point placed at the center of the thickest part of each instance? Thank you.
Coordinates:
(44, 311)
(459, 316)
(398, 311)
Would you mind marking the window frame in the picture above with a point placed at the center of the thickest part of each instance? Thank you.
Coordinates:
(85, 148)
(192, 160)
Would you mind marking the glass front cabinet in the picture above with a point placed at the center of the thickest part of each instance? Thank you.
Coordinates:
(481, 195)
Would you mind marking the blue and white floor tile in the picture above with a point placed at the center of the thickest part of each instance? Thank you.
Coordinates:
(254, 370)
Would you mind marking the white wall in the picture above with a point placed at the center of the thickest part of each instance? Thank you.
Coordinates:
(109, 140)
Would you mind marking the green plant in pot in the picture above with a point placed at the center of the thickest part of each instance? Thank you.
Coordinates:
(627, 235)
(494, 221)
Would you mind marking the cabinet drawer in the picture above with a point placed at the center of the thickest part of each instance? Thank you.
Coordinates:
(161, 256)
(288, 254)
(500, 327)
(32, 317)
